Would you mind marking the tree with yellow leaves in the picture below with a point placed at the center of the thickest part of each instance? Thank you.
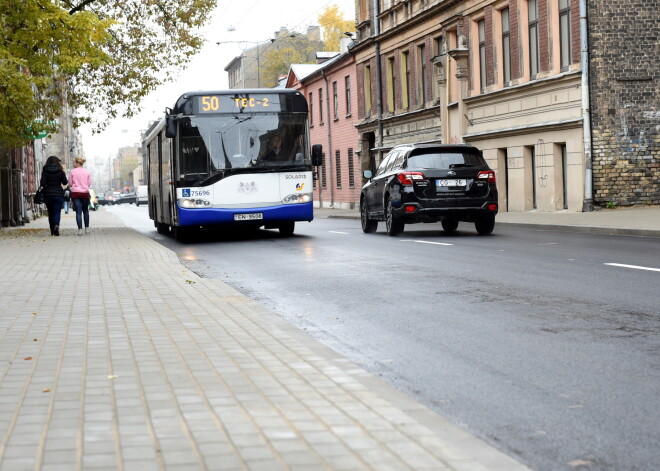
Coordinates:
(333, 27)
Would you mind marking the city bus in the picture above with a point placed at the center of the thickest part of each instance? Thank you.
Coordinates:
(232, 158)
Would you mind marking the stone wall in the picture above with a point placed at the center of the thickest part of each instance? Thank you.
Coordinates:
(624, 45)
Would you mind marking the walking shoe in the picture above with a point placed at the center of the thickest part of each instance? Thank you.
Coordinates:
(80, 232)
(87, 230)
(56, 231)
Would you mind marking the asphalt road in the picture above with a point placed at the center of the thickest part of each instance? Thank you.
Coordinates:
(545, 344)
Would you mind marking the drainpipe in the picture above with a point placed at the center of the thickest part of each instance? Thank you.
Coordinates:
(587, 204)
(379, 80)
(329, 154)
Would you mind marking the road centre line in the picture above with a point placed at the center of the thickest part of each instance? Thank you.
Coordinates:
(636, 267)
(425, 242)
(338, 232)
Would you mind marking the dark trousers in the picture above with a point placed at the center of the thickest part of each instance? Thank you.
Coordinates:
(81, 205)
(54, 205)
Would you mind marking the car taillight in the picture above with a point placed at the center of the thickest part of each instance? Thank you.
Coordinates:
(406, 178)
(488, 175)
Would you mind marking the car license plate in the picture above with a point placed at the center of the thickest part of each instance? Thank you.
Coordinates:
(248, 216)
(453, 182)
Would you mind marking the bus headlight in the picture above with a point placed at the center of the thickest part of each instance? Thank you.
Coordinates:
(189, 203)
(297, 198)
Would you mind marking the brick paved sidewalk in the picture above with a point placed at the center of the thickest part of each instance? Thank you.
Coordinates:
(105, 366)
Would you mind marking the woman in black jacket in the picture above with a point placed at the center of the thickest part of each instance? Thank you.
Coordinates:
(52, 179)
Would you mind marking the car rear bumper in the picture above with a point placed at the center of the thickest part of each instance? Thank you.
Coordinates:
(412, 212)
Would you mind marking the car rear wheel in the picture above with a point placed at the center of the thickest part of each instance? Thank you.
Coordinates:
(393, 224)
(368, 225)
(449, 225)
(485, 224)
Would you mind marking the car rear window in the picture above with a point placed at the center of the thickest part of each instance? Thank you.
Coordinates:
(434, 159)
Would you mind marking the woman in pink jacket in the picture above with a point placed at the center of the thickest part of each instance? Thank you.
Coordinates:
(80, 180)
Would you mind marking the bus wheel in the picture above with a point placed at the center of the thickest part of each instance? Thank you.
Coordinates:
(162, 228)
(287, 228)
(181, 234)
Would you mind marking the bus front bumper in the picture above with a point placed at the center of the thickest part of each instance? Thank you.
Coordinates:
(260, 215)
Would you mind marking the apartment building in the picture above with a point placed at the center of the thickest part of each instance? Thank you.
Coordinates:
(330, 89)
(507, 77)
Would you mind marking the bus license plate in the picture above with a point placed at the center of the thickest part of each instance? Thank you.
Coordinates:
(455, 182)
(248, 216)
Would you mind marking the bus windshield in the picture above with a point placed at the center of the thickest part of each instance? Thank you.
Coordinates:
(214, 146)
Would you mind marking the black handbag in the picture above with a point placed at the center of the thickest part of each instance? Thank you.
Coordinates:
(39, 196)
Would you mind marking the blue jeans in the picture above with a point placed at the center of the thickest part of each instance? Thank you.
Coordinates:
(54, 205)
(81, 205)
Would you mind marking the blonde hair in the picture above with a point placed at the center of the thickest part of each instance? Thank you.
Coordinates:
(80, 161)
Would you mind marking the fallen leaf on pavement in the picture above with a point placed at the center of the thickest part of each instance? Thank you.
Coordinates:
(576, 463)
(27, 358)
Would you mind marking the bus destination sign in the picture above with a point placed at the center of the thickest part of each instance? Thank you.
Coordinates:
(237, 103)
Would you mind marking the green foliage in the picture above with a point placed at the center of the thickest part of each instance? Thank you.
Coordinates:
(611, 204)
(43, 46)
(333, 27)
(99, 57)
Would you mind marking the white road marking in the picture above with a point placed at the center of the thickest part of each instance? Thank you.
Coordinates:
(337, 232)
(424, 242)
(636, 267)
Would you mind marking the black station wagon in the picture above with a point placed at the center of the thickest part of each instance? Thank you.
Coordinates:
(430, 183)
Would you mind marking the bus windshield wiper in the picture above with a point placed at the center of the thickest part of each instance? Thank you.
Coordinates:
(208, 180)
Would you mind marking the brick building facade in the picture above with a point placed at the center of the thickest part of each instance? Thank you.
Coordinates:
(624, 51)
(331, 93)
(507, 77)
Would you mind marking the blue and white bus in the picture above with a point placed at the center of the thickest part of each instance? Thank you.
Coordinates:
(232, 157)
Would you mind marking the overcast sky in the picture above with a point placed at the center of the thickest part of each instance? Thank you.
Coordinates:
(233, 20)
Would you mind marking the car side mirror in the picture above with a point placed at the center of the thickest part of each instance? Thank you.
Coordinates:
(317, 155)
(367, 174)
(170, 127)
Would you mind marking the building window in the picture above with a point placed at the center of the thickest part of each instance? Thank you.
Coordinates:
(421, 75)
(311, 110)
(565, 33)
(338, 167)
(438, 50)
(506, 46)
(367, 90)
(363, 10)
(335, 101)
(351, 169)
(481, 26)
(320, 106)
(391, 95)
(405, 84)
(347, 88)
(533, 29)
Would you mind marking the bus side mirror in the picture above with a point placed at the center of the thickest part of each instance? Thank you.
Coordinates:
(317, 155)
(367, 174)
(170, 127)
